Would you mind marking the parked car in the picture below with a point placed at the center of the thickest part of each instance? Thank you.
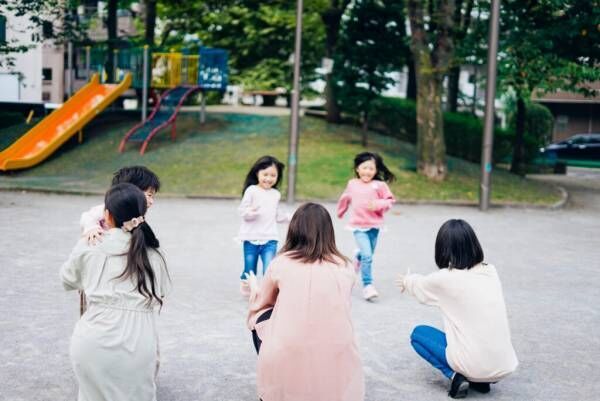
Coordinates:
(577, 147)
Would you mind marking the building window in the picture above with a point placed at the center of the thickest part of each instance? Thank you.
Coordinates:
(2, 29)
(47, 30)
(47, 74)
(45, 96)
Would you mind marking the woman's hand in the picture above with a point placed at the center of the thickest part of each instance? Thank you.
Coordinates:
(252, 284)
(400, 281)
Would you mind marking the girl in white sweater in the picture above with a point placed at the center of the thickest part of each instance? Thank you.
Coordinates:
(475, 348)
(260, 214)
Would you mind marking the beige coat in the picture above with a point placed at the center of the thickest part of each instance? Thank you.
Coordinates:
(114, 348)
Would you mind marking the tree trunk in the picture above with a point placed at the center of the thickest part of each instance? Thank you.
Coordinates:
(517, 159)
(111, 26)
(365, 129)
(331, 18)
(453, 89)
(431, 149)
(331, 107)
(411, 87)
(150, 22)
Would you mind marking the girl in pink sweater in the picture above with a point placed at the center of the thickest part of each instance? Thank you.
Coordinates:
(368, 197)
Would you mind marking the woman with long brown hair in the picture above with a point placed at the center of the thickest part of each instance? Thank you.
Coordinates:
(301, 320)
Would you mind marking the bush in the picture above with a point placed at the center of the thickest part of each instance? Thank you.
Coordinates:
(395, 117)
(463, 132)
(8, 118)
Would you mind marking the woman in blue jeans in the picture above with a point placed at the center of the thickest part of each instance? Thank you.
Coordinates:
(475, 348)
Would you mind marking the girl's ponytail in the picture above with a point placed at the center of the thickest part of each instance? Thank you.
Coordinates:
(127, 205)
(138, 263)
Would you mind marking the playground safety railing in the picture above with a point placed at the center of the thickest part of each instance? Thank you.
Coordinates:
(174, 69)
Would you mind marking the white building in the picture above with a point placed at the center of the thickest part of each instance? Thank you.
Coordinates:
(36, 75)
(39, 75)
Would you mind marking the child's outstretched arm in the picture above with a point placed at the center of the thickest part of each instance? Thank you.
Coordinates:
(91, 219)
(246, 209)
(385, 198)
(344, 202)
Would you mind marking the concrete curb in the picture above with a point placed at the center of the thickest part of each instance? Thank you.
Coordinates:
(516, 205)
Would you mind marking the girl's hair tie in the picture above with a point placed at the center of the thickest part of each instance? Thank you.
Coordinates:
(133, 223)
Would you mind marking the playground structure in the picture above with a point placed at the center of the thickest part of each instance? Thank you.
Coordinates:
(179, 75)
(183, 75)
(63, 123)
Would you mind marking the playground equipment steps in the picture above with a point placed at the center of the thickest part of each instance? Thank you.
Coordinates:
(164, 114)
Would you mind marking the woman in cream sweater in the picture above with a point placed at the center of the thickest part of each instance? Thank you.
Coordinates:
(475, 348)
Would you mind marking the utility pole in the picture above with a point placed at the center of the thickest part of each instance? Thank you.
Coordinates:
(294, 119)
(490, 95)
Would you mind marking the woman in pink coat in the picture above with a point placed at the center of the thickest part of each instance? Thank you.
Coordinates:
(300, 317)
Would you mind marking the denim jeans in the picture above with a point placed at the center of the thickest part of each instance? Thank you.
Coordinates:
(366, 241)
(252, 252)
(430, 343)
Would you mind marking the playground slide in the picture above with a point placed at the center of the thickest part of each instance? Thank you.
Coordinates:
(55, 129)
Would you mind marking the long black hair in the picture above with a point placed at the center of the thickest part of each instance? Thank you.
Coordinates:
(261, 164)
(311, 237)
(382, 174)
(124, 202)
(457, 246)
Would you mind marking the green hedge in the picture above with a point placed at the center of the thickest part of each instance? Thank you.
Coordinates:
(8, 118)
(463, 132)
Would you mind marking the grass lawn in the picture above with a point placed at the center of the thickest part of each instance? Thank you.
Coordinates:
(213, 159)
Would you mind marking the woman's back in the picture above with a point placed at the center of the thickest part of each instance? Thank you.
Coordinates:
(309, 349)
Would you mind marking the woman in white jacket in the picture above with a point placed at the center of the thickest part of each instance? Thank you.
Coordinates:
(475, 348)
(114, 348)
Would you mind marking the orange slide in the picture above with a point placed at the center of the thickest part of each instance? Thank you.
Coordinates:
(54, 130)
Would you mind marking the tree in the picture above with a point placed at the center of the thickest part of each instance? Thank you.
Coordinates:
(432, 45)
(368, 52)
(462, 22)
(259, 36)
(332, 17)
(150, 22)
(546, 45)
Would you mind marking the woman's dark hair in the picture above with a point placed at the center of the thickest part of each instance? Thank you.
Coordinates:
(140, 176)
(261, 164)
(124, 202)
(457, 246)
(310, 237)
(382, 174)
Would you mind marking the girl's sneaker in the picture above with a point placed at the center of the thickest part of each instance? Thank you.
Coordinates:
(370, 293)
(245, 288)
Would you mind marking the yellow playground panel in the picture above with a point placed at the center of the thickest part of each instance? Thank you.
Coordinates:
(174, 69)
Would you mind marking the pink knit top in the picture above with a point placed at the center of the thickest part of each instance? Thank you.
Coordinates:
(368, 202)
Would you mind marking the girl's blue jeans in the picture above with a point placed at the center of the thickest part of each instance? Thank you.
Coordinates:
(252, 252)
(431, 344)
(366, 241)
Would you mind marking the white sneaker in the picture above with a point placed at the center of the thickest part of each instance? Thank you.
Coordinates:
(370, 293)
(244, 288)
